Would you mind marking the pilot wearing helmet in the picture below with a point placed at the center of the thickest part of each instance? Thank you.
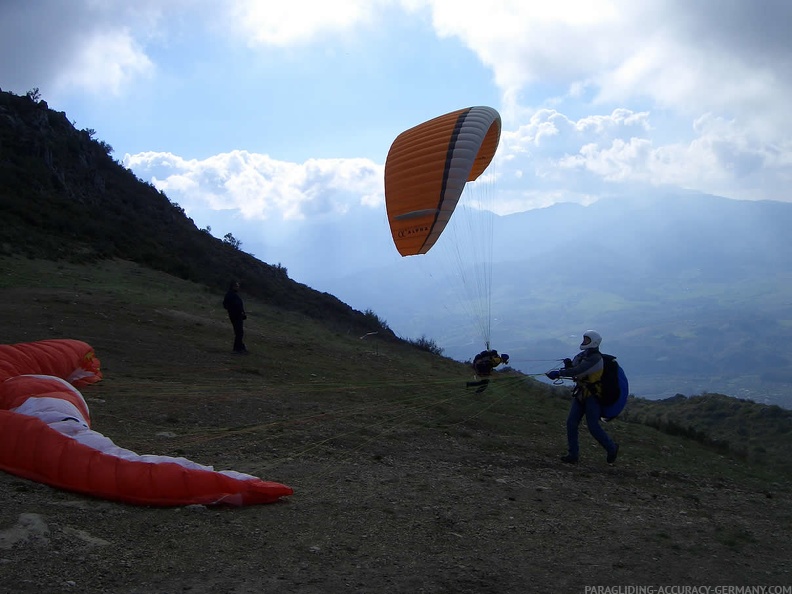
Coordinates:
(586, 370)
(484, 363)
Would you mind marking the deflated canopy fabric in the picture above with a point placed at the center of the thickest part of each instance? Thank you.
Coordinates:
(46, 436)
(426, 171)
(66, 358)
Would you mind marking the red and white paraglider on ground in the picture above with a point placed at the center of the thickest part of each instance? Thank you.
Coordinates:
(46, 436)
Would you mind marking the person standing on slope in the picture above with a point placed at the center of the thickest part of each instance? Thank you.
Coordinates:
(586, 370)
(236, 313)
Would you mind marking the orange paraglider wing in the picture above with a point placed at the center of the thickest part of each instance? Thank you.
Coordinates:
(427, 169)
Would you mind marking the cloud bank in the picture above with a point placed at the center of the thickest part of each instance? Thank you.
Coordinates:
(598, 97)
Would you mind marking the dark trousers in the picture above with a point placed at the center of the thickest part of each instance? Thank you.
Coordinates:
(589, 408)
(239, 334)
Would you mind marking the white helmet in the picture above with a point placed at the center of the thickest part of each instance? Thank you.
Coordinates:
(591, 340)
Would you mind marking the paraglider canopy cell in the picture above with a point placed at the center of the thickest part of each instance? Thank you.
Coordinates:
(426, 171)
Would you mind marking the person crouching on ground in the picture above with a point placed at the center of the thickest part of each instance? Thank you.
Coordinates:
(483, 364)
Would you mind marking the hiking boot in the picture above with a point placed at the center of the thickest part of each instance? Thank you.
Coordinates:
(612, 455)
(569, 459)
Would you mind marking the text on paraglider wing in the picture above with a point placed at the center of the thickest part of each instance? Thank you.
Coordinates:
(413, 231)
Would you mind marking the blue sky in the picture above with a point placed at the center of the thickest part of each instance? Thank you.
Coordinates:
(264, 118)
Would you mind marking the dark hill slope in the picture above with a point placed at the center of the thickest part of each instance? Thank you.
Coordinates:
(62, 196)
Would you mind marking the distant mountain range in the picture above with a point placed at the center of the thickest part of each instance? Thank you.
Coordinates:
(692, 292)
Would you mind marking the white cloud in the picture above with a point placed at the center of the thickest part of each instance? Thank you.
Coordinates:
(694, 94)
(297, 21)
(722, 158)
(526, 42)
(553, 158)
(262, 188)
(688, 57)
(549, 159)
(82, 45)
(552, 133)
(621, 161)
(106, 63)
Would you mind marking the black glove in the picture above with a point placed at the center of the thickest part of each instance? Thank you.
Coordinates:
(567, 363)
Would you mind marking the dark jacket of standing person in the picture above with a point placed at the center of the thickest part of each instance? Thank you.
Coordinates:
(236, 313)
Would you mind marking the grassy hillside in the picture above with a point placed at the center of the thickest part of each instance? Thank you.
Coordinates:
(173, 337)
(755, 432)
(404, 479)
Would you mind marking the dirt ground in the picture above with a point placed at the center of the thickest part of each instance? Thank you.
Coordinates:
(417, 505)
(421, 511)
